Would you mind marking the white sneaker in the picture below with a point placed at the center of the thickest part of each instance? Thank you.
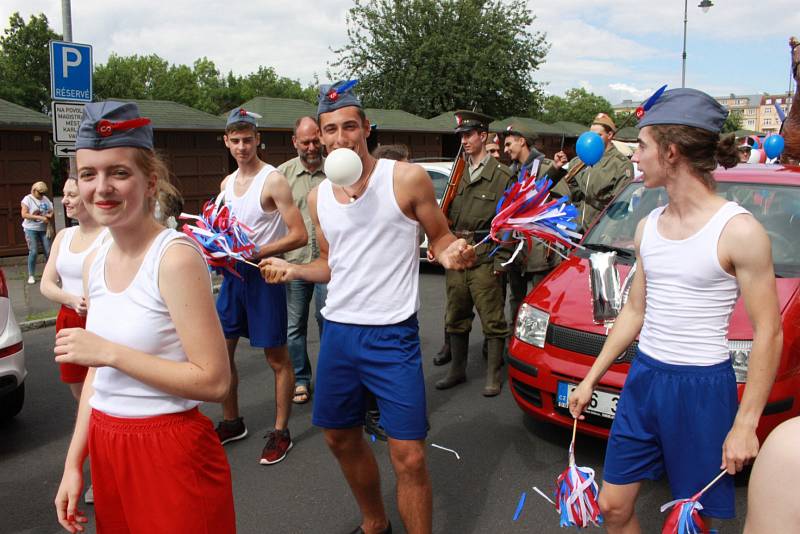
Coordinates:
(88, 498)
(31, 280)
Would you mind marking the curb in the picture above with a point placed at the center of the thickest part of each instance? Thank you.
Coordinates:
(26, 326)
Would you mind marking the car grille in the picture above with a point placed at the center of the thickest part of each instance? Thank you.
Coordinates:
(583, 342)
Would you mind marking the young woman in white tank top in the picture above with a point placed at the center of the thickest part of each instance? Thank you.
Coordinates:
(154, 347)
(62, 281)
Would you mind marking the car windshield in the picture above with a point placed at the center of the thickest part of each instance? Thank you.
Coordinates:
(440, 179)
(776, 207)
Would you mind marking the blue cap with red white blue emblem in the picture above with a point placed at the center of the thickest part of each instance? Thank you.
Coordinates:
(337, 95)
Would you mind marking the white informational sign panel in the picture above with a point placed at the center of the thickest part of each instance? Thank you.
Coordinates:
(66, 119)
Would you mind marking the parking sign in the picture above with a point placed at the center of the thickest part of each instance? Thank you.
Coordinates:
(70, 71)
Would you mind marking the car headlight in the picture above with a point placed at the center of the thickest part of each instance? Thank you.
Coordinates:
(739, 351)
(531, 325)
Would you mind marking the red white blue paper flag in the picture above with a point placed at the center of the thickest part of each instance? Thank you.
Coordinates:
(525, 213)
(576, 495)
(685, 515)
(222, 238)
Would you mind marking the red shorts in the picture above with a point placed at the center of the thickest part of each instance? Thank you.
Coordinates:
(166, 473)
(68, 318)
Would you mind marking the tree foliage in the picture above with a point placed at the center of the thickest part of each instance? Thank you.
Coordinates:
(577, 105)
(201, 86)
(432, 56)
(733, 122)
(25, 62)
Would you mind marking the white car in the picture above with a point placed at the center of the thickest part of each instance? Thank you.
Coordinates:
(12, 358)
(439, 171)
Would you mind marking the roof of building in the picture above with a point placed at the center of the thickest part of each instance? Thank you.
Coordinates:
(445, 120)
(539, 127)
(16, 116)
(168, 115)
(279, 113)
(628, 133)
(571, 129)
(398, 120)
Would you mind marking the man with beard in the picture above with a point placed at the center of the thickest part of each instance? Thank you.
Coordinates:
(540, 260)
(304, 173)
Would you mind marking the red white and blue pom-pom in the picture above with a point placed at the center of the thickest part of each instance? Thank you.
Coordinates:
(684, 518)
(576, 495)
(222, 238)
(526, 214)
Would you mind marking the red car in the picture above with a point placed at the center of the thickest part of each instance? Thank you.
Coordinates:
(556, 339)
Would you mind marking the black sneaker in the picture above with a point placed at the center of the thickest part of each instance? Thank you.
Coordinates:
(231, 430)
(372, 424)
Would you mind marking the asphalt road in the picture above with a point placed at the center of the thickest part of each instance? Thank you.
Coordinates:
(503, 453)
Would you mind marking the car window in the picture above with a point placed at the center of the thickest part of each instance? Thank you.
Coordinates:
(439, 181)
(777, 208)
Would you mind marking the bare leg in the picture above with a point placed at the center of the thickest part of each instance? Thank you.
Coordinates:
(281, 364)
(361, 471)
(617, 502)
(76, 389)
(414, 494)
(230, 406)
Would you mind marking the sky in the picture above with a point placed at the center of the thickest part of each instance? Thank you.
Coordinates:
(620, 49)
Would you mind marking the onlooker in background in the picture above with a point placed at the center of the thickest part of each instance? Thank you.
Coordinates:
(37, 218)
(591, 189)
(304, 173)
(532, 267)
(493, 147)
(169, 205)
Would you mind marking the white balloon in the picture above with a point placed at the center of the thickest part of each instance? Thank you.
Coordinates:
(343, 167)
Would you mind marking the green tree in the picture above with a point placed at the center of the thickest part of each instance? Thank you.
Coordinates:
(733, 122)
(25, 62)
(577, 105)
(432, 56)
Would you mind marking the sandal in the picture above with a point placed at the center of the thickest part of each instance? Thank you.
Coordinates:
(301, 395)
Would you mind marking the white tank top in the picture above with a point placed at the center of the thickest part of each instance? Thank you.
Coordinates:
(689, 295)
(69, 265)
(265, 227)
(137, 318)
(373, 254)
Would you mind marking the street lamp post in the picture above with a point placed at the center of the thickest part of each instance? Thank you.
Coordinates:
(704, 5)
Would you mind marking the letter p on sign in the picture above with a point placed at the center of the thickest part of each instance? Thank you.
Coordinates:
(70, 57)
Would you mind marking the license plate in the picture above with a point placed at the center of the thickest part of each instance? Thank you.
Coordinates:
(603, 403)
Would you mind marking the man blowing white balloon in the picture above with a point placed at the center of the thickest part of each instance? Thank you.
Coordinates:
(367, 231)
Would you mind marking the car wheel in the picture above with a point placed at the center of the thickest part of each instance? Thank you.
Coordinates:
(11, 404)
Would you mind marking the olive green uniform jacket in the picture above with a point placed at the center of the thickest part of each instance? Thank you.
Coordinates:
(591, 189)
(471, 216)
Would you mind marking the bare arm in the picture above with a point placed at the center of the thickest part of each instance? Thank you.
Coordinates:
(627, 326)
(186, 290)
(26, 214)
(417, 199)
(756, 276)
(50, 285)
(277, 187)
(69, 491)
(276, 270)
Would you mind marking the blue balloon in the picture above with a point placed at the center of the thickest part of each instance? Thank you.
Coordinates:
(590, 148)
(773, 146)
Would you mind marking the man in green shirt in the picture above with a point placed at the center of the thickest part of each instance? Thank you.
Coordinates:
(480, 286)
(304, 173)
(591, 189)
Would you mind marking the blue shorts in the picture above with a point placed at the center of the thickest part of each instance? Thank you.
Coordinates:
(249, 307)
(673, 419)
(385, 360)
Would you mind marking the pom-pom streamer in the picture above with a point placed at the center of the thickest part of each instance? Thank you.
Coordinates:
(685, 515)
(221, 237)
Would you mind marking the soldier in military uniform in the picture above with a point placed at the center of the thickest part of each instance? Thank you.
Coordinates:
(591, 189)
(533, 266)
(481, 286)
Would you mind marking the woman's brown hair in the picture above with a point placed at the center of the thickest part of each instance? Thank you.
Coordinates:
(703, 150)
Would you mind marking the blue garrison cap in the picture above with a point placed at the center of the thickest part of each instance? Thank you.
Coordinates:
(335, 96)
(242, 115)
(113, 124)
(687, 107)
